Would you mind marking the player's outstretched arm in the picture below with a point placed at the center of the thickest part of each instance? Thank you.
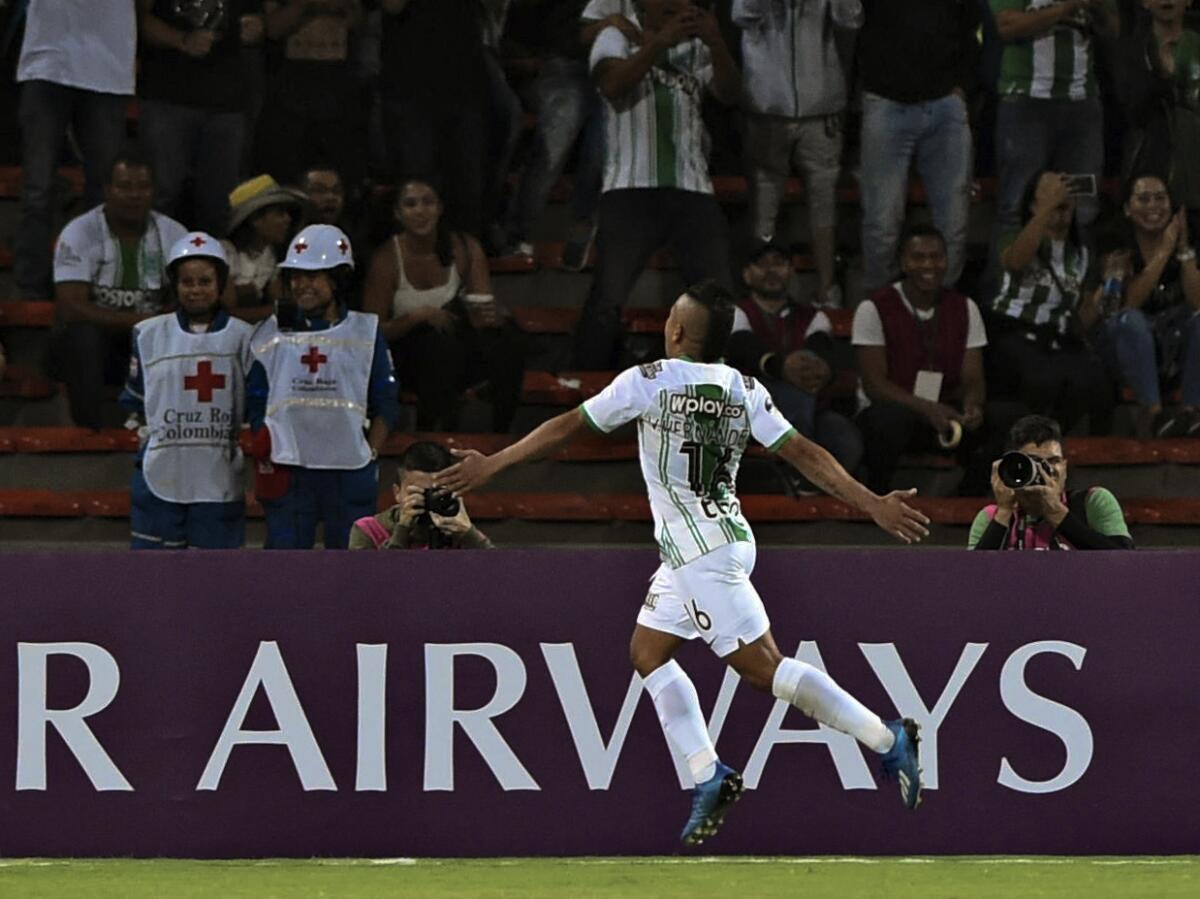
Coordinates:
(474, 469)
(889, 512)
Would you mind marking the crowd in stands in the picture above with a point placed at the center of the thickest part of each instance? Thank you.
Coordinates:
(258, 120)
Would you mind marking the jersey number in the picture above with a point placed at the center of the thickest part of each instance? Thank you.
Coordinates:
(702, 619)
(708, 466)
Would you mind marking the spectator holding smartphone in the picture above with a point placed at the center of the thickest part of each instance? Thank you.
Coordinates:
(1046, 305)
(431, 288)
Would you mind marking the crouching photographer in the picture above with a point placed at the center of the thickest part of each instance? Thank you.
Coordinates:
(1033, 508)
(424, 517)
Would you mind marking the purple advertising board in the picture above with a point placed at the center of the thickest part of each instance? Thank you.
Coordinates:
(480, 704)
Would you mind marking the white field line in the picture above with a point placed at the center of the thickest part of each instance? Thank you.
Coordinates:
(634, 860)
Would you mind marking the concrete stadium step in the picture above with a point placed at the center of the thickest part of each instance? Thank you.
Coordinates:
(1082, 451)
(563, 319)
(552, 506)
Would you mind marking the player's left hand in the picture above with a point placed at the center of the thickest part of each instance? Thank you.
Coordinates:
(471, 472)
(899, 519)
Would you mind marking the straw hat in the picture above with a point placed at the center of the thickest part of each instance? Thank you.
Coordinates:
(259, 193)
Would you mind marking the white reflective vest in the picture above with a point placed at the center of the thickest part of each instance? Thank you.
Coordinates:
(317, 402)
(195, 397)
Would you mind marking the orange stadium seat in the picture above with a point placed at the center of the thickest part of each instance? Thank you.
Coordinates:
(26, 313)
(21, 383)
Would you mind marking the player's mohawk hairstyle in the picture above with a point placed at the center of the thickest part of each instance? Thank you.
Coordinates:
(719, 303)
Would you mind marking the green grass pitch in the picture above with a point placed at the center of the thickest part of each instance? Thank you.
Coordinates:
(643, 878)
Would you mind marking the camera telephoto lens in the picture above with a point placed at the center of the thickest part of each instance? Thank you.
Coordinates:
(1018, 470)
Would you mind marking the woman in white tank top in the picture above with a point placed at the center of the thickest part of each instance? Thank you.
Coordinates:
(441, 345)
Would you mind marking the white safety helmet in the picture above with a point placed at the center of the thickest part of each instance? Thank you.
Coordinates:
(198, 245)
(319, 248)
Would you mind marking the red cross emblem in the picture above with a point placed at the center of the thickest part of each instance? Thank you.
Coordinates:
(198, 241)
(204, 382)
(343, 246)
(313, 359)
(301, 245)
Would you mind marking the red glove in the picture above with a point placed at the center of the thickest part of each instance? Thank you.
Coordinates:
(270, 481)
(260, 443)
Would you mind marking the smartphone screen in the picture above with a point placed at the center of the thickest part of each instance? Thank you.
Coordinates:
(1081, 185)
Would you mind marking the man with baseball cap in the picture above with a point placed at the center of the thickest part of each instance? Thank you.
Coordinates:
(321, 398)
(789, 347)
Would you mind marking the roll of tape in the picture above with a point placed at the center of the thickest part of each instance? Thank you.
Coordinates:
(951, 439)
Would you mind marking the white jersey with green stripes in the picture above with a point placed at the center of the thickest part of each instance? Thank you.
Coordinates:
(1056, 65)
(694, 423)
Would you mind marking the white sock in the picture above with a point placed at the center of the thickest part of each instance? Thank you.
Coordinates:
(678, 709)
(817, 695)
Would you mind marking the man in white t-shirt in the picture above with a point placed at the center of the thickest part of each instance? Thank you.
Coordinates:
(920, 354)
(109, 274)
(656, 189)
(695, 417)
(75, 71)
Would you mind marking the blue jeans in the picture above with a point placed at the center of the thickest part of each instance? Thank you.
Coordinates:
(1032, 135)
(568, 107)
(335, 498)
(1131, 341)
(505, 122)
(203, 143)
(937, 135)
(47, 110)
(834, 432)
(158, 524)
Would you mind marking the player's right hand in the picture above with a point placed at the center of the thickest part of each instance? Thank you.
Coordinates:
(899, 519)
(472, 471)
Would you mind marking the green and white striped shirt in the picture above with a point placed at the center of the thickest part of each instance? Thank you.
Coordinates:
(655, 134)
(1045, 294)
(1058, 65)
(694, 422)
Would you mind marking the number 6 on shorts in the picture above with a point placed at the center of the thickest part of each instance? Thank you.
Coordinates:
(701, 618)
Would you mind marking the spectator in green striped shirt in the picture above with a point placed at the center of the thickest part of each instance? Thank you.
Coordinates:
(1047, 303)
(657, 191)
(1049, 114)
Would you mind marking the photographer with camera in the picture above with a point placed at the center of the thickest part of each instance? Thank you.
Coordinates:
(425, 516)
(1033, 508)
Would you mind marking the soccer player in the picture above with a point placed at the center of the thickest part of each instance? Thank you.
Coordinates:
(695, 417)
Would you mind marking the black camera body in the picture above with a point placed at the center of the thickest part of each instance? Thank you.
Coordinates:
(439, 501)
(1018, 470)
(287, 315)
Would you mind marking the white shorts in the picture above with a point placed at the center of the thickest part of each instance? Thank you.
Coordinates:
(710, 597)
